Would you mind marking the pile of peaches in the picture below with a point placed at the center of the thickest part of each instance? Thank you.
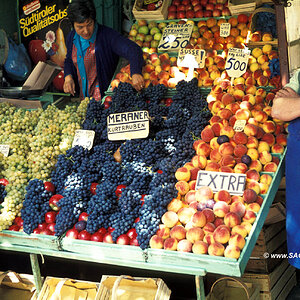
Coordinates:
(217, 223)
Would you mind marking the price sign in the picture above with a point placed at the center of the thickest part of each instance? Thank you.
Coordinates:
(175, 36)
(84, 138)
(194, 58)
(4, 149)
(237, 61)
(239, 125)
(128, 125)
(234, 183)
(225, 29)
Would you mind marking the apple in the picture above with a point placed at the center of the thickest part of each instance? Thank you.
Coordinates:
(46, 231)
(131, 233)
(4, 181)
(119, 188)
(14, 227)
(102, 230)
(49, 186)
(97, 237)
(50, 217)
(83, 216)
(51, 227)
(110, 229)
(18, 221)
(93, 187)
(53, 202)
(107, 238)
(36, 231)
(84, 235)
(58, 81)
(42, 226)
(134, 242)
(72, 233)
(123, 239)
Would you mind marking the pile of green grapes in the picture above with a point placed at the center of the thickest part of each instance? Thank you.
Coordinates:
(35, 140)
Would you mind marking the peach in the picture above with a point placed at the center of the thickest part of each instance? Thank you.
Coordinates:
(252, 142)
(254, 185)
(249, 216)
(209, 228)
(237, 198)
(265, 157)
(220, 209)
(232, 251)
(195, 234)
(254, 206)
(263, 188)
(262, 80)
(199, 219)
(182, 174)
(170, 244)
(254, 67)
(225, 113)
(174, 205)
(239, 229)
(194, 205)
(281, 139)
(270, 167)
(252, 174)
(221, 234)
(263, 146)
(212, 166)
(260, 116)
(215, 156)
(238, 208)
(250, 82)
(209, 238)
(218, 222)
(266, 49)
(214, 143)
(240, 150)
(269, 126)
(194, 173)
(209, 214)
(266, 178)
(240, 168)
(190, 197)
(267, 36)
(189, 165)
(178, 232)
(200, 247)
(185, 214)
(198, 161)
(227, 130)
(232, 219)
(250, 130)
(233, 107)
(156, 242)
(243, 114)
(249, 196)
(214, 119)
(238, 94)
(228, 161)
(227, 99)
(197, 143)
(170, 218)
(250, 91)
(222, 195)
(237, 240)
(240, 138)
(182, 187)
(253, 154)
(203, 149)
(204, 193)
(216, 249)
(226, 169)
(163, 231)
(226, 149)
(260, 200)
(207, 134)
(277, 148)
(256, 52)
(247, 226)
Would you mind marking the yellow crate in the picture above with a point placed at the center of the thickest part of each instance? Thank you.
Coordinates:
(159, 14)
(157, 289)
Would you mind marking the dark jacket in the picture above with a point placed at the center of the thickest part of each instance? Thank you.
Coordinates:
(109, 46)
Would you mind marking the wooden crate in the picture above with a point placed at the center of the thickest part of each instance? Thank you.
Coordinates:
(242, 6)
(275, 285)
(162, 293)
(159, 14)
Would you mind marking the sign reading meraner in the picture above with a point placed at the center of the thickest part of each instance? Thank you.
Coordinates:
(175, 36)
(128, 125)
(234, 183)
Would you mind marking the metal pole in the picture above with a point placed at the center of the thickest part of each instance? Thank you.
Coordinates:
(36, 272)
(200, 287)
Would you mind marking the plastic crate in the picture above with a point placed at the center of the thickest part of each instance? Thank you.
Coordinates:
(109, 13)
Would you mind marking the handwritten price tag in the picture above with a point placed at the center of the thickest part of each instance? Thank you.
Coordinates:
(225, 29)
(239, 125)
(84, 138)
(175, 36)
(191, 58)
(4, 149)
(237, 61)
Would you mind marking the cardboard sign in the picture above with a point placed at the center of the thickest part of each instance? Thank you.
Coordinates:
(84, 138)
(234, 183)
(236, 62)
(191, 58)
(175, 36)
(128, 125)
(4, 149)
(239, 125)
(225, 29)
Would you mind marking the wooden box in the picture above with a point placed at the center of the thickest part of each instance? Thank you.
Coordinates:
(242, 6)
(105, 293)
(159, 14)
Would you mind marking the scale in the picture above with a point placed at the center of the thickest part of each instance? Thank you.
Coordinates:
(3, 53)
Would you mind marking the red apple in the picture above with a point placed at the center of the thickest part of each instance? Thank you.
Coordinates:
(49, 186)
(131, 233)
(53, 202)
(97, 237)
(123, 239)
(107, 238)
(93, 187)
(50, 217)
(72, 233)
(42, 226)
(134, 242)
(18, 221)
(119, 188)
(84, 235)
(51, 227)
(36, 231)
(14, 227)
(4, 181)
(102, 230)
(46, 232)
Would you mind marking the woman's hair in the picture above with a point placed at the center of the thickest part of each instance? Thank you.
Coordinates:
(81, 10)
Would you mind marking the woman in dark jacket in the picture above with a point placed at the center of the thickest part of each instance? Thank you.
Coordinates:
(93, 51)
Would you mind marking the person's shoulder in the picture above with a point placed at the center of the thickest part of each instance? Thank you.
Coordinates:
(103, 29)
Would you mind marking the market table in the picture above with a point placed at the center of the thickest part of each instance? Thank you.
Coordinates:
(134, 257)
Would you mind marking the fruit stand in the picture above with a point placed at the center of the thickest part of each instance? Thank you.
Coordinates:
(87, 202)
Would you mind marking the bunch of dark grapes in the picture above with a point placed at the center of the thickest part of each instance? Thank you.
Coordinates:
(35, 205)
(2, 193)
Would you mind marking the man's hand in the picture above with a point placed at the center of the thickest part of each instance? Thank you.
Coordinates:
(69, 85)
(286, 93)
(138, 82)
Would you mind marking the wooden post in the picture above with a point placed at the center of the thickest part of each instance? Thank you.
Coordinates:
(36, 272)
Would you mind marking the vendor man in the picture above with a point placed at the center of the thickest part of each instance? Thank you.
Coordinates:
(93, 51)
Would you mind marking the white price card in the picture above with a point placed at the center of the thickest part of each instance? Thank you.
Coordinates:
(234, 183)
(191, 58)
(239, 125)
(225, 29)
(175, 36)
(84, 138)
(4, 149)
(236, 62)
(128, 125)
